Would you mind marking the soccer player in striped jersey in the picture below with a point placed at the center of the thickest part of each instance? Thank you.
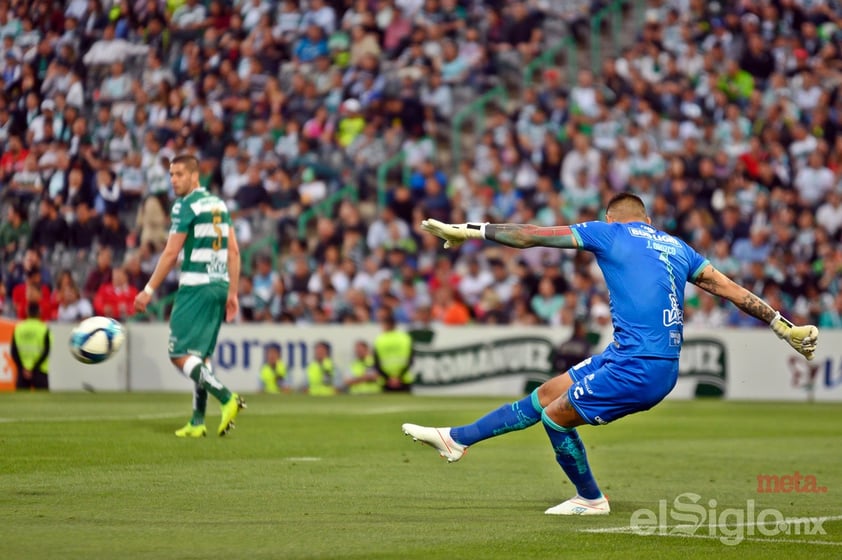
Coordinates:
(207, 290)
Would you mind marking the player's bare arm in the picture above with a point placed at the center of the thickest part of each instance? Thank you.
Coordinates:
(522, 236)
(519, 236)
(713, 281)
(803, 338)
(232, 304)
(175, 242)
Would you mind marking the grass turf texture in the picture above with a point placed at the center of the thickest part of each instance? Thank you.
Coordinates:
(101, 476)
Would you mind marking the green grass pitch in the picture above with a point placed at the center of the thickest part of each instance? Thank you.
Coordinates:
(100, 476)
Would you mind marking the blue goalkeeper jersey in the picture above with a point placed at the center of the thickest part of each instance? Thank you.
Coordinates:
(646, 271)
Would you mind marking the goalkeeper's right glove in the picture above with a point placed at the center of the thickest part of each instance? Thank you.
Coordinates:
(802, 338)
(454, 234)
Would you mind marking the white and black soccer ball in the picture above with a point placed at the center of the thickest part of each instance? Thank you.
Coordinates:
(96, 339)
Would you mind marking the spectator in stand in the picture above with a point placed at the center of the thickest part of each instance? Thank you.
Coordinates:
(113, 233)
(33, 290)
(814, 180)
(189, 19)
(829, 213)
(311, 46)
(117, 86)
(380, 231)
(14, 233)
(448, 308)
(69, 305)
(547, 303)
(83, 229)
(108, 192)
(832, 316)
(475, 280)
(116, 298)
(131, 181)
(50, 229)
(19, 269)
(134, 269)
(26, 185)
(13, 158)
(320, 15)
(101, 274)
(709, 314)
(110, 49)
(152, 221)
(264, 278)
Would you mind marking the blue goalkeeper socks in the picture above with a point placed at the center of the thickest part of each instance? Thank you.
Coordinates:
(570, 454)
(508, 418)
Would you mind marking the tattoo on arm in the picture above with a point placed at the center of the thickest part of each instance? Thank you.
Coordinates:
(756, 307)
(718, 284)
(708, 283)
(521, 236)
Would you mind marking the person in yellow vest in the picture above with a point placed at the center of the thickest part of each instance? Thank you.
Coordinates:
(364, 377)
(393, 354)
(273, 374)
(31, 341)
(320, 371)
(351, 122)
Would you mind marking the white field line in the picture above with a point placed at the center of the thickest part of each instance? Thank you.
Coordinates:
(657, 528)
(743, 539)
(665, 531)
(164, 415)
(106, 418)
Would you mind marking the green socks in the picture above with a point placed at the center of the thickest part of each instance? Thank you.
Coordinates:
(200, 404)
(205, 379)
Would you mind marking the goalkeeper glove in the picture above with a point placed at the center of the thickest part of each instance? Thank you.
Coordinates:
(802, 338)
(454, 234)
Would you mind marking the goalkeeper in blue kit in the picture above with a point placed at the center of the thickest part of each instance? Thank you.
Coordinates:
(646, 271)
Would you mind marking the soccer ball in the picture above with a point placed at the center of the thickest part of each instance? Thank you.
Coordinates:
(96, 339)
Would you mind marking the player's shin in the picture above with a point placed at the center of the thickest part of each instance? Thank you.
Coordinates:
(200, 405)
(571, 456)
(203, 376)
(508, 418)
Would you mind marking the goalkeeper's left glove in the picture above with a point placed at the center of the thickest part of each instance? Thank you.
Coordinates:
(802, 338)
(454, 234)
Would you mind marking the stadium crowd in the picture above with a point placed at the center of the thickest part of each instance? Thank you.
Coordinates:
(725, 117)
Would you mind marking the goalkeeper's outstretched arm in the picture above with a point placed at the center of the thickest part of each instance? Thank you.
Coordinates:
(528, 235)
(519, 236)
(802, 338)
(713, 281)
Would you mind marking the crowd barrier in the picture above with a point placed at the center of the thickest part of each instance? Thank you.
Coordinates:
(739, 364)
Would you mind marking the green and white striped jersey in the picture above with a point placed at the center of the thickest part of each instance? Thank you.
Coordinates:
(206, 221)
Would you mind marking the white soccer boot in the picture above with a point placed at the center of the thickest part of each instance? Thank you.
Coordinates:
(577, 505)
(439, 438)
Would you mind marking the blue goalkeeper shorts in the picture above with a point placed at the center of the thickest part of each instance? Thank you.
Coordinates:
(609, 386)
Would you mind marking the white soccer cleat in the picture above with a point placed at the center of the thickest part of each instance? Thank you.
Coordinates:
(438, 438)
(577, 505)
